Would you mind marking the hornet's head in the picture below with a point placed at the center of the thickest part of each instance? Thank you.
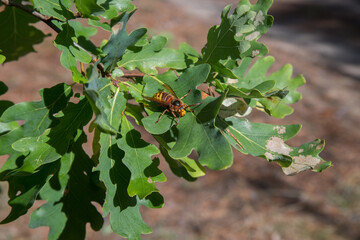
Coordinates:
(178, 107)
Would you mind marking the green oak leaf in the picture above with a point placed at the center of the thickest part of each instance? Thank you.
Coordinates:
(88, 7)
(106, 26)
(39, 152)
(124, 210)
(49, 214)
(151, 56)
(125, 218)
(82, 35)
(39, 115)
(23, 191)
(54, 142)
(7, 127)
(83, 194)
(15, 158)
(71, 53)
(268, 141)
(18, 36)
(2, 58)
(54, 8)
(113, 7)
(134, 111)
(136, 90)
(178, 168)
(70, 193)
(195, 130)
(307, 157)
(4, 104)
(237, 34)
(137, 158)
(234, 107)
(188, 80)
(191, 55)
(52, 192)
(119, 42)
(283, 92)
(192, 167)
(98, 91)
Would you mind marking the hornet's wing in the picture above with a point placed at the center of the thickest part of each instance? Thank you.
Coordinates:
(170, 90)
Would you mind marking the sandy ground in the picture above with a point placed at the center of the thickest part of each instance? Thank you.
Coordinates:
(252, 199)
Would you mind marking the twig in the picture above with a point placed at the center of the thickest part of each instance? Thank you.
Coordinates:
(131, 75)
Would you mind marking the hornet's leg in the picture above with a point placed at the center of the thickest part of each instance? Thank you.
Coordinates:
(188, 106)
(166, 110)
(177, 122)
(185, 94)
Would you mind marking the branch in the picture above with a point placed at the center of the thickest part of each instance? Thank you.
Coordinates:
(131, 75)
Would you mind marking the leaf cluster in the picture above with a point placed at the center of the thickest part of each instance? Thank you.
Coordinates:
(44, 139)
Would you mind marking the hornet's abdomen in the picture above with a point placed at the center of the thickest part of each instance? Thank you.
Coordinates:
(163, 97)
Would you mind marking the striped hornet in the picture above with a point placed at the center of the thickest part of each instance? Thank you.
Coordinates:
(171, 102)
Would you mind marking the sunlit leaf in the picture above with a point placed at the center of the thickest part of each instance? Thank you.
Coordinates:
(88, 7)
(153, 56)
(71, 53)
(273, 99)
(113, 7)
(54, 8)
(119, 42)
(98, 91)
(268, 141)
(237, 33)
(125, 218)
(2, 58)
(137, 158)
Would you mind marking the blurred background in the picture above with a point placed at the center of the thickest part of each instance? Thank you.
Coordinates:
(253, 199)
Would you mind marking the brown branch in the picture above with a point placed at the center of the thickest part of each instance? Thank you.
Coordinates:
(131, 75)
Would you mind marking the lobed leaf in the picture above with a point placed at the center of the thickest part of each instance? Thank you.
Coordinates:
(18, 37)
(71, 53)
(2, 58)
(54, 142)
(4, 104)
(113, 7)
(200, 134)
(119, 42)
(88, 7)
(137, 158)
(39, 115)
(273, 99)
(268, 141)
(23, 191)
(236, 35)
(84, 192)
(58, 9)
(45, 214)
(195, 130)
(151, 56)
(98, 90)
